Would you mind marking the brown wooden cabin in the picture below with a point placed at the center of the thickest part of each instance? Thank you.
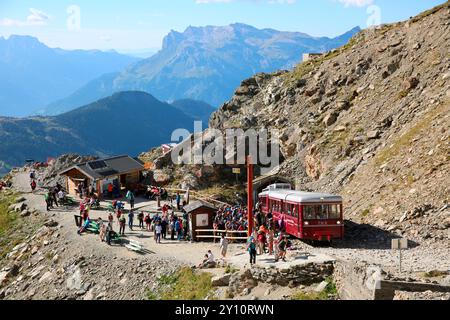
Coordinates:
(121, 171)
(201, 217)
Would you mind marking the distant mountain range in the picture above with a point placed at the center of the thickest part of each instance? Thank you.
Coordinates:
(125, 123)
(205, 63)
(34, 75)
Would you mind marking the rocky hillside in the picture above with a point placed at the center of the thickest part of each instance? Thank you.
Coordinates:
(369, 121)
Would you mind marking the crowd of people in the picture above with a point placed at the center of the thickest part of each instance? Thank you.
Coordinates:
(164, 225)
(268, 236)
(55, 197)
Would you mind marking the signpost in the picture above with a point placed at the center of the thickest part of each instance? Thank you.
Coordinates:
(400, 244)
(237, 172)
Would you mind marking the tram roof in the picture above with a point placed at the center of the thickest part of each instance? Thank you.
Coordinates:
(301, 196)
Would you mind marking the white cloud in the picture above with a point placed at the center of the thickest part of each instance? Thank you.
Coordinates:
(35, 18)
(229, 1)
(356, 3)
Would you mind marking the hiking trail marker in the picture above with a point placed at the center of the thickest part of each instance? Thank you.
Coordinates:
(400, 244)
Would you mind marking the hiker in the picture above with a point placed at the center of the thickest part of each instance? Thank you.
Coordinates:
(130, 197)
(261, 242)
(172, 229)
(251, 247)
(54, 194)
(148, 221)
(110, 190)
(80, 190)
(32, 175)
(110, 219)
(178, 200)
(223, 246)
(33, 185)
(141, 219)
(47, 200)
(61, 197)
(282, 249)
(164, 224)
(122, 223)
(178, 229)
(208, 261)
(204, 263)
(158, 231)
(84, 226)
(270, 240)
(118, 215)
(110, 234)
(130, 220)
(85, 215)
(103, 229)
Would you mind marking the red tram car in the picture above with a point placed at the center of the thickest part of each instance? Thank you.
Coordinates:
(307, 216)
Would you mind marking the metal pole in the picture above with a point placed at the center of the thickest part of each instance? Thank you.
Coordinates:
(250, 195)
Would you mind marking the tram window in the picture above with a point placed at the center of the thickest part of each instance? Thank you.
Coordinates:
(321, 212)
(334, 212)
(288, 209)
(295, 211)
(308, 213)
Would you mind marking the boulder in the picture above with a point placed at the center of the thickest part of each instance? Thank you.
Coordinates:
(330, 119)
(373, 134)
(20, 199)
(51, 223)
(221, 281)
(3, 278)
(25, 213)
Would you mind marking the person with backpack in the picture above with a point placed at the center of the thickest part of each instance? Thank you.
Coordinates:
(130, 220)
(141, 219)
(178, 200)
(130, 197)
(33, 185)
(164, 228)
(148, 221)
(178, 229)
(47, 200)
(282, 244)
(158, 231)
(122, 223)
(223, 246)
(251, 248)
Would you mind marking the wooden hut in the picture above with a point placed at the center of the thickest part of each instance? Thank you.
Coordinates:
(123, 172)
(201, 217)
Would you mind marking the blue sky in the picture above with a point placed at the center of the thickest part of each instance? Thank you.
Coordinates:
(134, 25)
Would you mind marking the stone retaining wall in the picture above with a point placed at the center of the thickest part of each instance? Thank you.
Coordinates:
(305, 274)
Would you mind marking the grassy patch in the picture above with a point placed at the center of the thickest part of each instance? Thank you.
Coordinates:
(7, 218)
(404, 141)
(186, 284)
(329, 293)
(435, 274)
(365, 213)
(13, 229)
(230, 269)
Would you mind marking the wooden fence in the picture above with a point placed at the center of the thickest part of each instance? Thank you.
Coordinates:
(217, 234)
